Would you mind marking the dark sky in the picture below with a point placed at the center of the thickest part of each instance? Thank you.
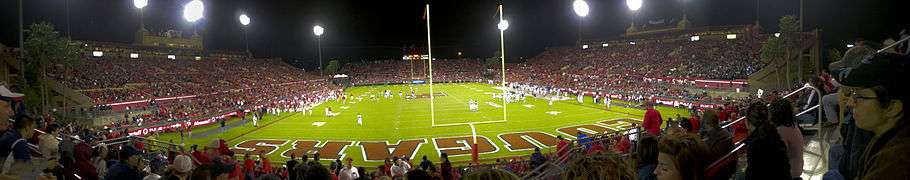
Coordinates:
(368, 29)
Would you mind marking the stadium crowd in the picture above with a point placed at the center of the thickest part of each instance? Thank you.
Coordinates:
(175, 90)
(122, 79)
(639, 69)
(863, 97)
(398, 71)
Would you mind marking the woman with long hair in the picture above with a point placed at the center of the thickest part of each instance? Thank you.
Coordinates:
(767, 156)
(781, 114)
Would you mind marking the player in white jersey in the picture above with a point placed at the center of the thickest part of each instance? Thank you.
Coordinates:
(255, 121)
(550, 103)
(360, 119)
(608, 101)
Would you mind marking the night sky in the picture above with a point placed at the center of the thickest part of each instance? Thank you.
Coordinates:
(368, 30)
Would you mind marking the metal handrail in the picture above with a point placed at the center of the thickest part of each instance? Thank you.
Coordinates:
(738, 147)
(562, 159)
(725, 126)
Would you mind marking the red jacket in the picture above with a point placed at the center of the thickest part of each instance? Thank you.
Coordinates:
(248, 165)
(695, 124)
(236, 173)
(562, 148)
(202, 157)
(266, 165)
(596, 148)
(652, 122)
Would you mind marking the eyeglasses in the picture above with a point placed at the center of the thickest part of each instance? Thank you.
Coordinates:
(855, 96)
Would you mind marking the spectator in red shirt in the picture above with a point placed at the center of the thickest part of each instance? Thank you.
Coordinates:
(562, 148)
(201, 157)
(596, 148)
(266, 163)
(652, 121)
(694, 123)
(387, 167)
(248, 166)
(623, 145)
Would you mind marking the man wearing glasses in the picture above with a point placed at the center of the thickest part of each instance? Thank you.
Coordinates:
(876, 91)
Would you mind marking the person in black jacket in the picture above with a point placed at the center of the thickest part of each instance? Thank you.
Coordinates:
(767, 154)
(291, 164)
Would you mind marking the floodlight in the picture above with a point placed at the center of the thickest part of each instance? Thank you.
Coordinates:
(695, 38)
(503, 25)
(134, 55)
(731, 36)
(245, 20)
(318, 30)
(140, 3)
(634, 5)
(581, 8)
(605, 45)
(97, 53)
(584, 46)
(193, 11)
(171, 56)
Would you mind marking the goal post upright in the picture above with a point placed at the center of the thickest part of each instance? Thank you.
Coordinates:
(430, 68)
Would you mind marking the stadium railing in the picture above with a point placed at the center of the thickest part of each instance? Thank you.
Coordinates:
(730, 158)
(547, 170)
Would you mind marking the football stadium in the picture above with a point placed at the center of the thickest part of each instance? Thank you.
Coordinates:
(567, 89)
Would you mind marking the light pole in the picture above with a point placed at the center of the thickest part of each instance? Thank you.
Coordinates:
(21, 43)
(66, 8)
(140, 4)
(193, 11)
(503, 25)
(318, 31)
(581, 9)
(633, 5)
(245, 20)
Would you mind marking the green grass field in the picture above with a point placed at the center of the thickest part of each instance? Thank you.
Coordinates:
(396, 118)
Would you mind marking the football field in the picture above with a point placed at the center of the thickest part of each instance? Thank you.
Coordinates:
(403, 126)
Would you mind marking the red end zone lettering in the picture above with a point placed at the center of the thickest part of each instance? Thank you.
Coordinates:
(572, 131)
(621, 124)
(460, 146)
(256, 146)
(377, 151)
(527, 140)
(329, 150)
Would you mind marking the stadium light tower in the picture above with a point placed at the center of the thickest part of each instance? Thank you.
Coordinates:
(503, 25)
(318, 31)
(245, 20)
(634, 5)
(140, 4)
(193, 11)
(581, 9)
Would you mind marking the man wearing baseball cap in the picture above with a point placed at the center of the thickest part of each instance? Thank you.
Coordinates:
(181, 169)
(7, 99)
(129, 165)
(878, 91)
(14, 152)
